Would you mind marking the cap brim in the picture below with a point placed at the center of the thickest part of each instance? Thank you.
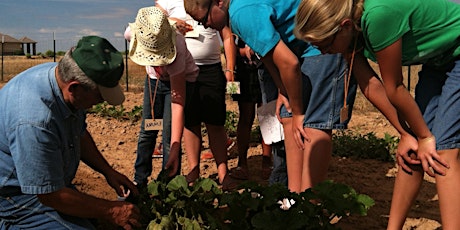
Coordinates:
(113, 96)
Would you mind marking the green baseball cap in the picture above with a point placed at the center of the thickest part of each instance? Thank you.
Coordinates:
(101, 62)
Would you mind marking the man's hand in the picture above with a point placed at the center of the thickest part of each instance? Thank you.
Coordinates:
(121, 184)
(125, 214)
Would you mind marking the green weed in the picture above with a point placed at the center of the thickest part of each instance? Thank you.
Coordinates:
(368, 146)
(118, 112)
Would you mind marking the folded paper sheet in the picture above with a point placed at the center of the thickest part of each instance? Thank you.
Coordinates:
(270, 127)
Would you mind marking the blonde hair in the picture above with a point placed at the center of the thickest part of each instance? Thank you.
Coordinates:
(317, 20)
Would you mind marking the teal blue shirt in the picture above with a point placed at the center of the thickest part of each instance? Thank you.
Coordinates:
(263, 23)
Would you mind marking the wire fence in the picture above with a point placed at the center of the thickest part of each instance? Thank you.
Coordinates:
(62, 42)
(11, 65)
(52, 43)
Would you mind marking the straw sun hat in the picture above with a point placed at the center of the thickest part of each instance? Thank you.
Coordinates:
(153, 38)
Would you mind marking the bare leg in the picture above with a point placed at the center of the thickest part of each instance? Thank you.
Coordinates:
(266, 150)
(294, 158)
(243, 133)
(267, 163)
(217, 140)
(405, 191)
(316, 157)
(448, 187)
(192, 140)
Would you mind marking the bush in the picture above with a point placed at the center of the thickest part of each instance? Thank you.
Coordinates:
(49, 53)
(173, 204)
(118, 112)
(274, 207)
(367, 146)
(231, 123)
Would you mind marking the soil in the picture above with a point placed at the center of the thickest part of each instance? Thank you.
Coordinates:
(117, 141)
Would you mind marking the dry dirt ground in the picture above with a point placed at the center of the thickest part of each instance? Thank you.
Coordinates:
(117, 142)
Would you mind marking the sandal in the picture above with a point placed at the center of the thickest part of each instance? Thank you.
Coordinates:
(240, 173)
(158, 152)
(207, 155)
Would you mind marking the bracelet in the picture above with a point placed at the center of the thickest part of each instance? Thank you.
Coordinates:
(229, 70)
(426, 139)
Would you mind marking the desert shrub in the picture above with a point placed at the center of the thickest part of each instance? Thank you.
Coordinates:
(105, 110)
(256, 135)
(368, 146)
(49, 53)
(231, 123)
(18, 52)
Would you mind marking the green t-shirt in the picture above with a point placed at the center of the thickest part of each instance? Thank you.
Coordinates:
(430, 29)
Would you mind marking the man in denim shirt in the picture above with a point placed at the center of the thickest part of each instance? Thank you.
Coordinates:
(43, 137)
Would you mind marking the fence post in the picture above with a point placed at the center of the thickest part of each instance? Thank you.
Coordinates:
(54, 48)
(126, 61)
(3, 41)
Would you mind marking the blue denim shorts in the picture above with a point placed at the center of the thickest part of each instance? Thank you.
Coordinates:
(268, 89)
(323, 92)
(438, 95)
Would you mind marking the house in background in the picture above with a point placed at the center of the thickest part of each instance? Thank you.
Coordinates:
(26, 43)
(13, 46)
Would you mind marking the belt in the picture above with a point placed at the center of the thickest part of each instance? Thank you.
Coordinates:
(8, 191)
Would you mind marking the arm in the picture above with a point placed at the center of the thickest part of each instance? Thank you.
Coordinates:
(373, 90)
(284, 67)
(182, 26)
(178, 92)
(91, 156)
(74, 203)
(389, 60)
(229, 51)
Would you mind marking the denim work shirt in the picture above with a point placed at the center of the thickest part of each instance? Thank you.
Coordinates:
(39, 134)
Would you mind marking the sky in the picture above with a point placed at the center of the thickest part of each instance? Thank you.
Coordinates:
(66, 21)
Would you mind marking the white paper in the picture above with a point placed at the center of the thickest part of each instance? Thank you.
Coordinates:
(270, 127)
(192, 34)
(233, 87)
(153, 124)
